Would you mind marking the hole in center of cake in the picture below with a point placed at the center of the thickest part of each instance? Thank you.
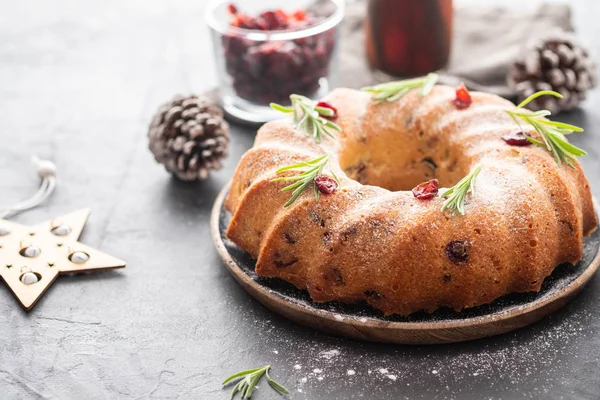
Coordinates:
(401, 166)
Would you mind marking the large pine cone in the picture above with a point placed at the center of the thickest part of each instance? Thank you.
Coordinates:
(189, 136)
(554, 62)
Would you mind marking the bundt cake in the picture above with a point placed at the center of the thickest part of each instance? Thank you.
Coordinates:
(353, 230)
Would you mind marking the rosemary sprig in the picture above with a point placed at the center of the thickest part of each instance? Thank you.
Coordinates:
(457, 194)
(249, 380)
(392, 91)
(303, 180)
(309, 117)
(552, 133)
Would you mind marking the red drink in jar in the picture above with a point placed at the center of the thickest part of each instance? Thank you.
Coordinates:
(408, 37)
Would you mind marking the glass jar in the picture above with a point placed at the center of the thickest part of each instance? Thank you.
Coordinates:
(258, 64)
(408, 38)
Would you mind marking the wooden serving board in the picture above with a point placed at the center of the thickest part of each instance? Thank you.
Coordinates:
(365, 323)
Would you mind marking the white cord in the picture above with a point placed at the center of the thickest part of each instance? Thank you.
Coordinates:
(45, 170)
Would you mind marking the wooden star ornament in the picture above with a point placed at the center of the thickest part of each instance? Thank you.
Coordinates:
(32, 257)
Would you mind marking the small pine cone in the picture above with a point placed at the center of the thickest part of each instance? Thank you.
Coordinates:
(554, 62)
(189, 136)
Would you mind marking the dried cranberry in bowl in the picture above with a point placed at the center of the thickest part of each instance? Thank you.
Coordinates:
(269, 71)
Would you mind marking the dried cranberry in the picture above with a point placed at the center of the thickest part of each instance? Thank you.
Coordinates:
(262, 25)
(426, 190)
(334, 276)
(373, 294)
(281, 15)
(232, 9)
(457, 251)
(323, 104)
(299, 15)
(463, 97)
(518, 138)
(289, 238)
(235, 21)
(325, 184)
(266, 71)
(274, 20)
(244, 22)
(285, 264)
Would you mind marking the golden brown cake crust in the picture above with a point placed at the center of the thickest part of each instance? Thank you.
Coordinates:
(372, 240)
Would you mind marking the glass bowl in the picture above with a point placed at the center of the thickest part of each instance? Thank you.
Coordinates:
(256, 67)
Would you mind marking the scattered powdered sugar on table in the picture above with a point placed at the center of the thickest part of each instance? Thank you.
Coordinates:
(532, 354)
(329, 354)
(385, 372)
(323, 361)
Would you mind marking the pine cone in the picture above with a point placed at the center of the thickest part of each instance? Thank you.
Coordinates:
(189, 136)
(554, 62)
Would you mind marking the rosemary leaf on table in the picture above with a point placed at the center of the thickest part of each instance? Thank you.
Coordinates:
(249, 379)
